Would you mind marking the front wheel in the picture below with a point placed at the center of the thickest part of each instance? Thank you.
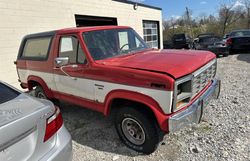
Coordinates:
(137, 130)
(39, 92)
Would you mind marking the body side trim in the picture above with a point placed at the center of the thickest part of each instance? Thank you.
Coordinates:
(91, 92)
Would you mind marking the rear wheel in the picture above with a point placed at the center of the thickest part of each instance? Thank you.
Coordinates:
(137, 130)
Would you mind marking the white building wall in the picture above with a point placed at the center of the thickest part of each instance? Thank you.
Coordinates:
(21, 17)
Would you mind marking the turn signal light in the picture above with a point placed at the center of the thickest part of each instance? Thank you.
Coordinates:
(179, 104)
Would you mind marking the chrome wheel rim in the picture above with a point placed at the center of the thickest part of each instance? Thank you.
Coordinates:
(133, 131)
(41, 95)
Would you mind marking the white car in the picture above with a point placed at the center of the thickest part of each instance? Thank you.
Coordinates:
(31, 129)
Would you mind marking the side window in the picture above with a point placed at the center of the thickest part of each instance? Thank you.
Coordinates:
(71, 48)
(36, 48)
(138, 43)
(81, 55)
(127, 41)
(123, 40)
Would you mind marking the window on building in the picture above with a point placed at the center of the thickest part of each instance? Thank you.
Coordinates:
(71, 48)
(36, 48)
(151, 33)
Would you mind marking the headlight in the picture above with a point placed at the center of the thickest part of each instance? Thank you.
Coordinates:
(188, 87)
(182, 92)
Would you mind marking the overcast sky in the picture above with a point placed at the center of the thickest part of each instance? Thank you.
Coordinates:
(176, 8)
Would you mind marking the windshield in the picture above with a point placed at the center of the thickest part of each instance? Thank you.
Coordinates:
(104, 44)
(241, 33)
(209, 39)
(7, 94)
(179, 37)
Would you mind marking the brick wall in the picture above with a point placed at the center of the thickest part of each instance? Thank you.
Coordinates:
(21, 17)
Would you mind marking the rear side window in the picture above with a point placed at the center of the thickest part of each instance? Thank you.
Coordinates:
(7, 94)
(179, 37)
(36, 48)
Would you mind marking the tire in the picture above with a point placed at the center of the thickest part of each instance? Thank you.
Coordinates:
(130, 121)
(39, 92)
(231, 51)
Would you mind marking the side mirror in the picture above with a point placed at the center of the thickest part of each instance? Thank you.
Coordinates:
(61, 61)
(196, 40)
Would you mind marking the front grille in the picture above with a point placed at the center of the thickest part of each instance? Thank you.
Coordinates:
(202, 77)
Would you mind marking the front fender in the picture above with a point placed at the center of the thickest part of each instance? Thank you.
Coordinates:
(140, 98)
(40, 81)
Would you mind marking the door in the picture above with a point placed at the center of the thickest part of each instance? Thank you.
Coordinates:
(69, 77)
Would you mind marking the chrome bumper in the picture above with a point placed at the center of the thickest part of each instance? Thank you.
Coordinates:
(194, 112)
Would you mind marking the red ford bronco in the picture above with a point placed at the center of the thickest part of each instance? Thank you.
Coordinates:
(110, 68)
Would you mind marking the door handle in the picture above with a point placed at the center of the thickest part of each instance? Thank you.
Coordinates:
(61, 68)
(74, 66)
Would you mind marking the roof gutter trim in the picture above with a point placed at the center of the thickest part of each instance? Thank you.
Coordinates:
(139, 4)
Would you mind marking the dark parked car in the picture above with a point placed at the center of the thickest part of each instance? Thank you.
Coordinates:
(239, 41)
(167, 44)
(205, 34)
(181, 41)
(212, 43)
(219, 48)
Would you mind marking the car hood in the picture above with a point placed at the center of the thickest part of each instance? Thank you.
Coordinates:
(176, 63)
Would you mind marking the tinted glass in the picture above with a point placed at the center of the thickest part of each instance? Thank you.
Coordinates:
(6, 93)
(36, 47)
(240, 33)
(179, 37)
(110, 43)
(208, 39)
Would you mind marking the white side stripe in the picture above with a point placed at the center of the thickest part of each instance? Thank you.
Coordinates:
(87, 88)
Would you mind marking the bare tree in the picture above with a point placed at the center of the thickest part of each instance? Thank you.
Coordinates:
(188, 19)
(165, 24)
(247, 7)
(228, 15)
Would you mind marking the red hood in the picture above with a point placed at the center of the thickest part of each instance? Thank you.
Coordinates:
(177, 63)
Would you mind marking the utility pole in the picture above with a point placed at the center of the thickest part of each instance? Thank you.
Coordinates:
(189, 22)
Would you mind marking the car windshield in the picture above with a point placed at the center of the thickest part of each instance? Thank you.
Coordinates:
(241, 33)
(103, 44)
(7, 93)
(179, 37)
(209, 39)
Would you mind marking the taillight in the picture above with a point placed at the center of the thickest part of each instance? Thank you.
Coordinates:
(229, 41)
(53, 124)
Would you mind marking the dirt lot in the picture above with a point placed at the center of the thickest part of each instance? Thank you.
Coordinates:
(224, 133)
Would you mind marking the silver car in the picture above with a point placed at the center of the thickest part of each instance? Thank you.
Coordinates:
(31, 129)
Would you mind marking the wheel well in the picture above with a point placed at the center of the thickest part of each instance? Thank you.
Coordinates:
(32, 84)
(118, 103)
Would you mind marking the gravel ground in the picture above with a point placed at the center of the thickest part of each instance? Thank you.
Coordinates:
(223, 134)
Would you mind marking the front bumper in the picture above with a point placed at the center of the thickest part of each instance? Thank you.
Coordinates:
(194, 112)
